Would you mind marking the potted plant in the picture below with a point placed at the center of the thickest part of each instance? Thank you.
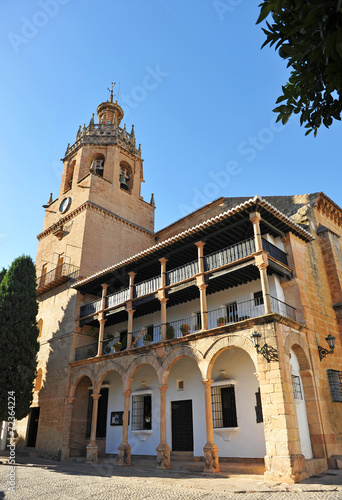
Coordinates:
(148, 337)
(221, 321)
(185, 329)
(170, 331)
(117, 347)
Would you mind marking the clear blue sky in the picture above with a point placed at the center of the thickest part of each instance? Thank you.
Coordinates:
(194, 82)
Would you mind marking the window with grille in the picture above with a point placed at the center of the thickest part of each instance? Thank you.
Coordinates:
(258, 299)
(297, 388)
(141, 412)
(258, 408)
(224, 406)
(335, 384)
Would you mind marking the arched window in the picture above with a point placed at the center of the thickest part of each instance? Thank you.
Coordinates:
(39, 377)
(97, 165)
(69, 176)
(40, 328)
(126, 176)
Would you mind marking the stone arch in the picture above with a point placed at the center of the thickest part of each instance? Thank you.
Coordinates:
(144, 359)
(300, 349)
(182, 352)
(110, 366)
(244, 343)
(76, 377)
(296, 342)
(126, 176)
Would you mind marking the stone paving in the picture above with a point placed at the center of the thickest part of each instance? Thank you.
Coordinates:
(42, 479)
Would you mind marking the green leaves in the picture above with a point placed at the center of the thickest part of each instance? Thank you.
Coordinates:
(18, 335)
(309, 35)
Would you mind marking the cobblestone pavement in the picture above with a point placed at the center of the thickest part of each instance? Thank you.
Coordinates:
(69, 481)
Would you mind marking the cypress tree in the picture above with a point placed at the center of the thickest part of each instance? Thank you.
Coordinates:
(18, 336)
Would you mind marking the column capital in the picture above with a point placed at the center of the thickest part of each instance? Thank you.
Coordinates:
(132, 274)
(96, 397)
(255, 217)
(200, 244)
(102, 321)
(127, 393)
(69, 401)
(104, 286)
(202, 286)
(261, 260)
(163, 300)
(130, 312)
(207, 382)
(163, 260)
(163, 387)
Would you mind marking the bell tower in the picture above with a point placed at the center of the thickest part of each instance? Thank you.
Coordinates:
(98, 219)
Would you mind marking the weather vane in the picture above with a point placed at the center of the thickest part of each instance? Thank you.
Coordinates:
(111, 89)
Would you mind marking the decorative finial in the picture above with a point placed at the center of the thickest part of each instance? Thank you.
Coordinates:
(152, 202)
(110, 90)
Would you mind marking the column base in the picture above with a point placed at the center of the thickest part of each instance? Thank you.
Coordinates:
(65, 454)
(289, 469)
(211, 458)
(124, 454)
(92, 454)
(163, 456)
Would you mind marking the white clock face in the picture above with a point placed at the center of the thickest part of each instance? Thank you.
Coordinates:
(65, 204)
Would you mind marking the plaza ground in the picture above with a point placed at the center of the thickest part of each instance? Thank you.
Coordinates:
(38, 478)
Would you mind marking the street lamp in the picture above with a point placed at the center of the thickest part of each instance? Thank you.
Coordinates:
(331, 343)
(269, 352)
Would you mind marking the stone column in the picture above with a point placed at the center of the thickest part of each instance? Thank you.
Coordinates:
(163, 450)
(124, 448)
(162, 297)
(102, 319)
(210, 450)
(261, 261)
(202, 286)
(66, 428)
(130, 312)
(92, 448)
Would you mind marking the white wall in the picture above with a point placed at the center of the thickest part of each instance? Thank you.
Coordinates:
(115, 403)
(249, 440)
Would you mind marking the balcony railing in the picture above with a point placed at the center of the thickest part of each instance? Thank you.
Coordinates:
(229, 254)
(213, 261)
(60, 274)
(225, 315)
(147, 287)
(117, 298)
(274, 251)
(182, 273)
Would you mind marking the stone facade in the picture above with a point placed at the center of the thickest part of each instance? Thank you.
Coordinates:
(176, 289)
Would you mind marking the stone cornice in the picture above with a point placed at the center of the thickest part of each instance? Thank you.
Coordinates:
(329, 208)
(97, 209)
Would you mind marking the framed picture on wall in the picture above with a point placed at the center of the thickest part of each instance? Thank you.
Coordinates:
(116, 418)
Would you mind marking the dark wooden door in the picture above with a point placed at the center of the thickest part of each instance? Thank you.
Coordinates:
(33, 427)
(182, 425)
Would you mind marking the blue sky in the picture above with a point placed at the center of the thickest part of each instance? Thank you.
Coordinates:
(193, 81)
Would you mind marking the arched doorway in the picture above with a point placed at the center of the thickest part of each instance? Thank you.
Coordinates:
(298, 390)
(78, 428)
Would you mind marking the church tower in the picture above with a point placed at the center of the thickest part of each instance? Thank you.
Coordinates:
(98, 219)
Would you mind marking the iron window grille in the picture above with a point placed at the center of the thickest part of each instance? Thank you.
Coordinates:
(297, 388)
(335, 384)
(141, 412)
(258, 408)
(224, 406)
